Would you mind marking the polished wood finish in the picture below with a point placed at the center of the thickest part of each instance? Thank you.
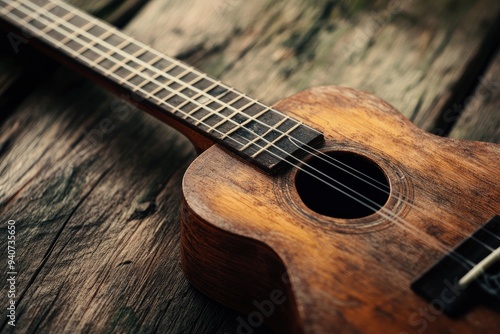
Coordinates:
(243, 230)
(95, 185)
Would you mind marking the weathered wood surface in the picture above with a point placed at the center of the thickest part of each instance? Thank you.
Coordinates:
(416, 55)
(348, 276)
(481, 118)
(94, 187)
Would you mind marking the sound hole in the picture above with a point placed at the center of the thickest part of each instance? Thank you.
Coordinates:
(342, 185)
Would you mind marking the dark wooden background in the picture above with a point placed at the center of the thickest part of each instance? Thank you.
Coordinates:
(95, 186)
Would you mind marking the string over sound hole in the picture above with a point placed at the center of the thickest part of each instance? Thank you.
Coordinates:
(342, 185)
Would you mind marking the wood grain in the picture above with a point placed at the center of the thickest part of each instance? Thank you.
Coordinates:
(95, 187)
(485, 100)
(416, 55)
(347, 275)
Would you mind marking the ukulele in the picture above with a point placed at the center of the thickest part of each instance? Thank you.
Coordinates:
(328, 212)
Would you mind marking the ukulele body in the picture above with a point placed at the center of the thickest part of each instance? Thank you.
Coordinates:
(249, 241)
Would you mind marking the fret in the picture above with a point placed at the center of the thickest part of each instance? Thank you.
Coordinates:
(33, 17)
(88, 49)
(274, 119)
(78, 20)
(131, 47)
(70, 39)
(114, 40)
(190, 77)
(162, 66)
(219, 92)
(150, 58)
(204, 83)
(176, 74)
(271, 128)
(112, 50)
(218, 114)
(164, 99)
(123, 63)
(182, 96)
(229, 95)
(160, 87)
(199, 98)
(45, 8)
(272, 143)
(256, 132)
(255, 109)
(161, 96)
(97, 30)
(207, 112)
(153, 77)
(50, 29)
(95, 41)
(216, 111)
(51, 25)
(250, 119)
(140, 75)
(185, 114)
(160, 73)
(167, 87)
(236, 112)
(210, 113)
(12, 9)
(243, 103)
(198, 79)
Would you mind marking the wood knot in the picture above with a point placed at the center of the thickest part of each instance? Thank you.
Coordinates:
(123, 263)
(143, 210)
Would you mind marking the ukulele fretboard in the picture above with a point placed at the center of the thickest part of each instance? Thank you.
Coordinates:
(253, 130)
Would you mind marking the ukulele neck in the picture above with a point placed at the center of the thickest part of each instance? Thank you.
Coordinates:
(165, 87)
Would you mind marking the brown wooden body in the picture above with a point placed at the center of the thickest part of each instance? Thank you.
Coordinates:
(247, 236)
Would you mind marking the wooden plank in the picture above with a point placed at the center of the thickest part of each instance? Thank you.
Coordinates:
(480, 119)
(19, 78)
(97, 216)
(413, 54)
(95, 187)
(54, 158)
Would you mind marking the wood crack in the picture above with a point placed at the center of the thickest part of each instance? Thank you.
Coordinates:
(56, 238)
(449, 111)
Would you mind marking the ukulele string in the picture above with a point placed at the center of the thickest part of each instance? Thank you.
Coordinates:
(319, 154)
(389, 218)
(189, 69)
(385, 191)
(466, 261)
